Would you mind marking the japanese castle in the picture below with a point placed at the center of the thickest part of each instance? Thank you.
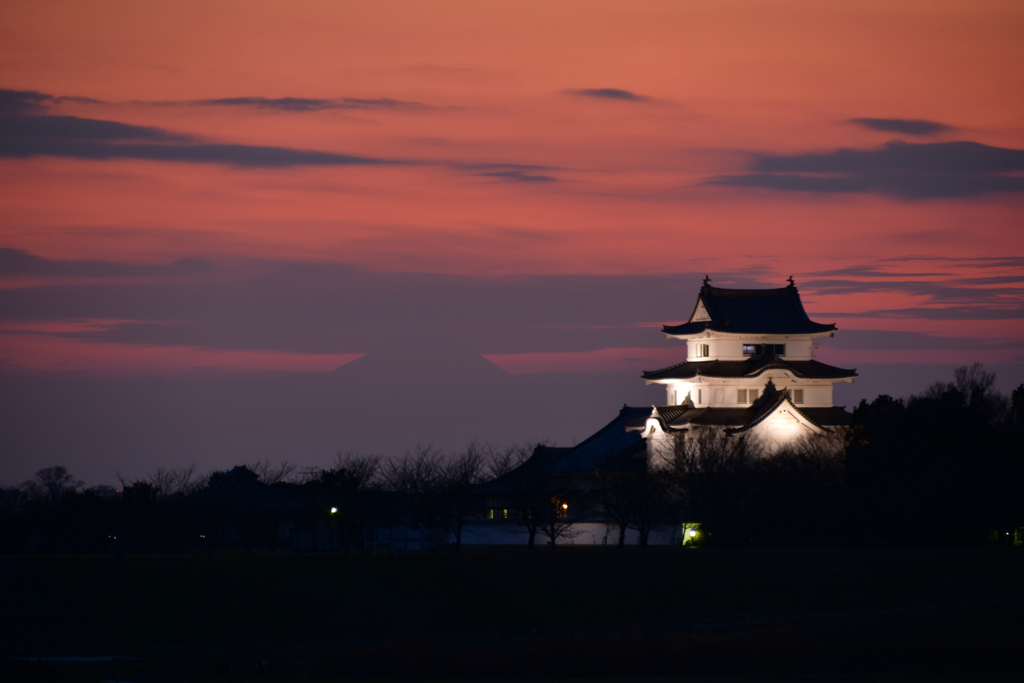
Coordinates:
(749, 368)
(749, 372)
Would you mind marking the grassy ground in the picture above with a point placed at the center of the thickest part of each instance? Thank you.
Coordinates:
(507, 613)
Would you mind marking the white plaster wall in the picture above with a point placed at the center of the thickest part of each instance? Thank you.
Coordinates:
(675, 393)
(724, 394)
(659, 448)
(780, 429)
(731, 348)
(817, 396)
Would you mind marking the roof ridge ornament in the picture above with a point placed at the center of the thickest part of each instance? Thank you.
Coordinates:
(791, 282)
(706, 279)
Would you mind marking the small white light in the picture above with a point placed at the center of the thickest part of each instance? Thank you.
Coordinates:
(693, 532)
(334, 510)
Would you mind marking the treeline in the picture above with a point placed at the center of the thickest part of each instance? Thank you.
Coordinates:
(942, 467)
(254, 505)
(946, 465)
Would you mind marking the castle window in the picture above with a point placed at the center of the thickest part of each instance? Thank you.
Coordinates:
(764, 349)
(700, 396)
(703, 350)
(798, 396)
(751, 395)
(741, 395)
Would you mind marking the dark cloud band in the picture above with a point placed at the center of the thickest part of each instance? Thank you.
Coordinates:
(302, 104)
(608, 94)
(905, 126)
(237, 155)
(26, 130)
(910, 170)
(15, 262)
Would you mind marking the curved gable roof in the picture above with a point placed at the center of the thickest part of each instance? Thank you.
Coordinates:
(754, 311)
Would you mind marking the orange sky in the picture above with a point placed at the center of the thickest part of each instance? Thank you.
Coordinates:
(496, 164)
(208, 207)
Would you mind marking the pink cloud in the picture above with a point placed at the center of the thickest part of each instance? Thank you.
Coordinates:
(601, 360)
(853, 357)
(41, 352)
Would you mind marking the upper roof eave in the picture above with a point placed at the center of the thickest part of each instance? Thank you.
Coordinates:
(748, 369)
(736, 335)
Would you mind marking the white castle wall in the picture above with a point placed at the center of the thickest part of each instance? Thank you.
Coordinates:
(713, 393)
(732, 348)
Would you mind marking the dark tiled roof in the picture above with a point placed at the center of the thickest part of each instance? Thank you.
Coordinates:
(542, 456)
(637, 423)
(773, 398)
(755, 311)
(610, 442)
(806, 369)
(763, 407)
(718, 416)
(684, 416)
(827, 417)
(740, 419)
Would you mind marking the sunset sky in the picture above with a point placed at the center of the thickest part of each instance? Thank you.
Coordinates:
(481, 212)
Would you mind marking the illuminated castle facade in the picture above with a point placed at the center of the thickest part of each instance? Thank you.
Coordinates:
(749, 371)
(749, 368)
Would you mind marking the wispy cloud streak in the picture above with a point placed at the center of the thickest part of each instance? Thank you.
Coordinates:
(303, 104)
(904, 126)
(26, 131)
(16, 262)
(608, 94)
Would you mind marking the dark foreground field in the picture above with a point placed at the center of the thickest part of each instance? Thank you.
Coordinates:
(751, 614)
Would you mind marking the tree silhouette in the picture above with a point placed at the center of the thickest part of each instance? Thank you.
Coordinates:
(345, 488)
(50, 485)
(944, 466)
(710, 474)
(460, 474)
